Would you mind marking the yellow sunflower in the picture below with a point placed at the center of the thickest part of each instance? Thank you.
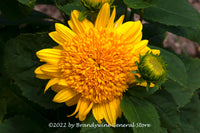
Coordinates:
(91, 65)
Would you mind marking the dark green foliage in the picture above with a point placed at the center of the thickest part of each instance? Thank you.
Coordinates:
(141, 114)
(174, 108)
(138, 4)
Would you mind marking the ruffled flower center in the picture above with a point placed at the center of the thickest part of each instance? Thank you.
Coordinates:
(97, 63)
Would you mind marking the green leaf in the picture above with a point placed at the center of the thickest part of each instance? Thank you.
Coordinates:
(29, 3)
(16, 105)
(90, 121)
(34, 17)
(49, 2)
(138, 4)
(140, 113)
(19, 124)
(21, 61)
(154, 34)
(3, 74)
(176, 68)
(68, 8)
(190, 116)
(167, 109)
(139, 91)
(183, 78)
(3, 107)
(181, 94)
(163, 130)
(176, 84)
(193, 71)
(12, 9)
(187, 32)
(121, 126)
(175, 13)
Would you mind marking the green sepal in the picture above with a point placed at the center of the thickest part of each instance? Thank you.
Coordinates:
(94, 6)
(83, 15)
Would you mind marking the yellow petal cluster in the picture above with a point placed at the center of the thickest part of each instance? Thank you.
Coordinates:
(91, 65)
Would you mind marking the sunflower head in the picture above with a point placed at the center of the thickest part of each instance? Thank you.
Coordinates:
(95, 4)
(152, 68)
(91, 65)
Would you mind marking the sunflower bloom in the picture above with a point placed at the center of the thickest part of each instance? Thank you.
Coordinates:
(91, 65)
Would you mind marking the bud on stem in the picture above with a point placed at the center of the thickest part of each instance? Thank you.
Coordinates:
(152, 69)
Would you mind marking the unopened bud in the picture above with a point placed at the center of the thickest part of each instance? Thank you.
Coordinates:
(152, 68)
(95, 4)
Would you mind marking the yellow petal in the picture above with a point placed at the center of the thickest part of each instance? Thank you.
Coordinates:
(70, 24)
(85, 24)
(106, 115)
(111, 20)
(119, 21)
(64, 95)
(154, 51)
(131, 30)
(143, 51)
(50, 70)
(51, 56)
(76, 24)
(79, 26)
(145, 84)
(65, 32)
(57, 88)
(58, 47)
(98, 112)
(40, 74)
(73, 100)
(111, 111)
(77, 108)
(84, 109)
(140, 46)
(57, 38)
(146, 49)
(63, 82)
(116, 104)
(51, 83)
(103, 16)
(136, 33)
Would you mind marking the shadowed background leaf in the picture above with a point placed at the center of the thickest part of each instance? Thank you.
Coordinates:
(169, 12)
(137, 111)
(167, 109)
(179, 75)
(138, 4)
(21, 61)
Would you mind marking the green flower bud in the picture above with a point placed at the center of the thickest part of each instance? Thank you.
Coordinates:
(152, 68)
(95, 4)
